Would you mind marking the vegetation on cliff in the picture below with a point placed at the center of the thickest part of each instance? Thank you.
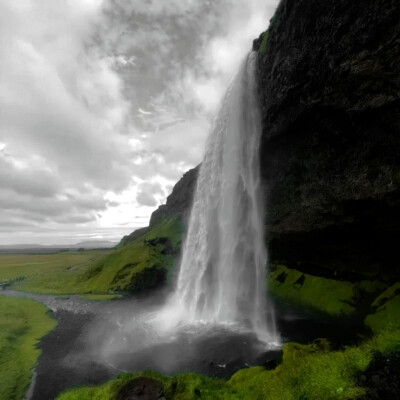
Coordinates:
(386, 310)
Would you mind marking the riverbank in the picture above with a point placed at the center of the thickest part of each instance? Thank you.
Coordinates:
(23, 323)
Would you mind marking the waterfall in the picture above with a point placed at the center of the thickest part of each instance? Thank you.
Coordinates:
(222, 275)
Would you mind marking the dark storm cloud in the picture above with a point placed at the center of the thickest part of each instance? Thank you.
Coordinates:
(24, 179)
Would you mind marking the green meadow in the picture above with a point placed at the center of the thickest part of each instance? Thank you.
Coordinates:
(54, 273)
(138, 265)
(23, 322)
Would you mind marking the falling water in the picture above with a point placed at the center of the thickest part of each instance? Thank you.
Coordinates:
(223, 269)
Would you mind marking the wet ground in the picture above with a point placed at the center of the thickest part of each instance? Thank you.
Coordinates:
(95, 341)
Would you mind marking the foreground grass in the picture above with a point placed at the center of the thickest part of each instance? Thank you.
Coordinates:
(141, 264)
(23, 322)
(312, 372)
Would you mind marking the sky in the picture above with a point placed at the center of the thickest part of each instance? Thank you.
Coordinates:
(104, 104)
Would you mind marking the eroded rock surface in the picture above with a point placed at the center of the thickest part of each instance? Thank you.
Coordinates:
(329, 91)
(180, 200)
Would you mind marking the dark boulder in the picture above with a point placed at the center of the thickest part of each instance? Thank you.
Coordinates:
(142, 389)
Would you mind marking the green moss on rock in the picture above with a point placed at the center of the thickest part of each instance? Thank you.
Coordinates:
(388, 294)
(311, 292)
(264, 43)
(386, 316)
(314, 293)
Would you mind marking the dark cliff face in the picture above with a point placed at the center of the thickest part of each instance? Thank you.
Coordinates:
(178, 206)
(180, 200)
(329, 74)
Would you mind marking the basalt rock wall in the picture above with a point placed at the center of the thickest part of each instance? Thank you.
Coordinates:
(179, 201)
(329, 87)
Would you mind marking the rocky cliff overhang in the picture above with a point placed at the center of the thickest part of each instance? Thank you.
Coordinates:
(329, 74)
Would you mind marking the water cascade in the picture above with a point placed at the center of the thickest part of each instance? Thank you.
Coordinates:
(222, 275)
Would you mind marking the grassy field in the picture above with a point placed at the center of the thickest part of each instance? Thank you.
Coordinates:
(23, 322)
(14, 266)
(47, 273)
(141, 264)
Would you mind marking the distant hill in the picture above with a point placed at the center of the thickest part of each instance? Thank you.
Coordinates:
(38, 248)
(95, 244)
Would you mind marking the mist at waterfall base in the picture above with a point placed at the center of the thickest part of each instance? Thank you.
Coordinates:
(219, 309)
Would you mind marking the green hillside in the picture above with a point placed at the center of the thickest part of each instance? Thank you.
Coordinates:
(140, 264)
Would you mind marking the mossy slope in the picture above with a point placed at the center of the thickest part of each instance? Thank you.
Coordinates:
(23, 322)
(331, 297)
(387, 311)
(140, 264)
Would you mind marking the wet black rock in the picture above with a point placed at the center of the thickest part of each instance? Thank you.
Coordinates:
(330, 98)
(382, 378)
(142, 389)
(180, 200)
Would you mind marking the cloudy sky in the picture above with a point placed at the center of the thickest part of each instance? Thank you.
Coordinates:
(104, 104)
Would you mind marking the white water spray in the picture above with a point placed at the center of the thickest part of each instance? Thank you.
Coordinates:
(222, 277)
